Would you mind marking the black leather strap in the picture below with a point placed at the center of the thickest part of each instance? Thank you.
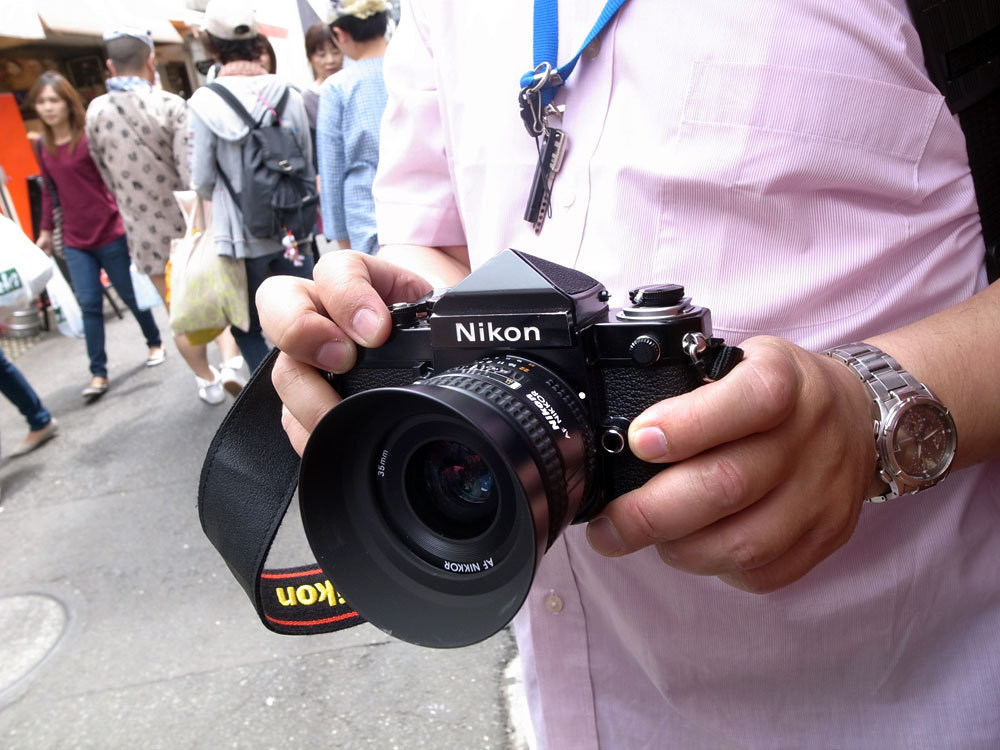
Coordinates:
(247, 482)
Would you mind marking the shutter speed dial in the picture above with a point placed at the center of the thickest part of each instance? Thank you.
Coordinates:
(657, 303)
(658, 295)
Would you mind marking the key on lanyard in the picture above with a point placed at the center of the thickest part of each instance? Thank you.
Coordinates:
(550, 157)
(551, 150)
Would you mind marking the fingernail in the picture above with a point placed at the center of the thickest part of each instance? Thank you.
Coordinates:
(366, 323)
(604, 537)
(649, 443)
(333, 356)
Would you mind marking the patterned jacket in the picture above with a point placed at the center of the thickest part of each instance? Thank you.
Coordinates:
(138, 139)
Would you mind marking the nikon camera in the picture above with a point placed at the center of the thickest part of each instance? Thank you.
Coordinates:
(495, 415)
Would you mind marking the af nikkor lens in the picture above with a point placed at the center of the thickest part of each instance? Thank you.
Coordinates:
(430, 505)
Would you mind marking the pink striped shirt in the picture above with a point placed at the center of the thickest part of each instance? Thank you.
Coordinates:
(792, 165)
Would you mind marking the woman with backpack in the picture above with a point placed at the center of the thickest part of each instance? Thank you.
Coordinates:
(244, 92)
(93, 232)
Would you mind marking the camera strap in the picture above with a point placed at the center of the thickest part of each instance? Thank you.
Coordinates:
(247, 482)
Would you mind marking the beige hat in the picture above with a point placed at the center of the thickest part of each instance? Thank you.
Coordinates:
(363, 9)
(230, 19)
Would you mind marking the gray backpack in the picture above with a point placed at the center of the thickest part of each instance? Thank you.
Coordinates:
(279, 191)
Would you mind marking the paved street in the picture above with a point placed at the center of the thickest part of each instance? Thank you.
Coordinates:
(120, 626)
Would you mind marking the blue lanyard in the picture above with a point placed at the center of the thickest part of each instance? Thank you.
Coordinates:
(546, 47)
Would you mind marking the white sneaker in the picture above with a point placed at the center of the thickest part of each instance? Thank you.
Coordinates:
(211, 391)
(232, 380)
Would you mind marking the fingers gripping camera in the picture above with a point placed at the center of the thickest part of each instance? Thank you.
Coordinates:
(495, 415)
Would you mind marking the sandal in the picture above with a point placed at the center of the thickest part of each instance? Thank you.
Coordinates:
(36, 438)
(157, 355)
(96, 389)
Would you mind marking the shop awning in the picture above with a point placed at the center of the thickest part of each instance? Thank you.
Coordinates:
(41, 19)
(21, 21)
(93, 17)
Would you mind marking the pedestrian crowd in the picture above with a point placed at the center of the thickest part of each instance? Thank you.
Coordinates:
(116, 175)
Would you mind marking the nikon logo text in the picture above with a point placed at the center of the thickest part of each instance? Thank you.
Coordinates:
(488, 333)
(309, 594)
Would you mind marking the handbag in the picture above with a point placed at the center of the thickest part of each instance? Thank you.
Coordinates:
(24, 268)
(146, 296)
(208, 291)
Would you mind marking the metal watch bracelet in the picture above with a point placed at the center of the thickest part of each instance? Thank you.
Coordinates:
(888, 383)
(883, 374)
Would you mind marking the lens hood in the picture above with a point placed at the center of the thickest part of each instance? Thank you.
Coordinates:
(400, 573)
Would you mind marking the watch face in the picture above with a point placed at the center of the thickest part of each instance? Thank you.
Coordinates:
(922, 441)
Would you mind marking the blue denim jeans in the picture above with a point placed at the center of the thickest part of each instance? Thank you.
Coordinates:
(251, 343)
(20, 393)
(85, 271)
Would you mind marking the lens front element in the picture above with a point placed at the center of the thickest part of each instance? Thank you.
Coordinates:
(451, 489)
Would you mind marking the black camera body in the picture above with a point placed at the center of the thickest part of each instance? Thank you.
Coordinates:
(495, 415)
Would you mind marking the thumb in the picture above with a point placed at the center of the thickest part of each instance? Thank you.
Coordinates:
(354, 288)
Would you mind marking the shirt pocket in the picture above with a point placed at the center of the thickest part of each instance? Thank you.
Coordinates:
(790, 185)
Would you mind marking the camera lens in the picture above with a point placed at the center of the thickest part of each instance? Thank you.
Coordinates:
(430, 505)
(451, 489)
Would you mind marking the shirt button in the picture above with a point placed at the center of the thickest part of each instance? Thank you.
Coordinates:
(554, 603)
(566, 198)
(593, 49)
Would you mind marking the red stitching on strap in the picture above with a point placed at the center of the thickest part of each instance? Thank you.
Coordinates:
(306, 623)
(300, 574)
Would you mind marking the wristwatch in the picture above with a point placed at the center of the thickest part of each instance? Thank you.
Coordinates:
(915, 436)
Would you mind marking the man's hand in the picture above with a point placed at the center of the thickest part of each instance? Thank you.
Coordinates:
(45, 241)
(772, 464)
(318, 324)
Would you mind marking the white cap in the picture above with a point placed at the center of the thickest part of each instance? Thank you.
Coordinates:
(230, 19)
(130, 31)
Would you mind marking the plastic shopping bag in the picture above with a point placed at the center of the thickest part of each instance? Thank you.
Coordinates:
(64, 305)
(207, 291)
(146, 296)
(24, 268)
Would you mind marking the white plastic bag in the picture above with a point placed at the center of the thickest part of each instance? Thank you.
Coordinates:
(207, 291)
(146, 295)
(24, 268)
(64, 305)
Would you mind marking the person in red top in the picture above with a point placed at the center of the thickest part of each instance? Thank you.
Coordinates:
(93, 233)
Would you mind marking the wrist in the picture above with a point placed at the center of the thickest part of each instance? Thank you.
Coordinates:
(862, 416)
(442, 267)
